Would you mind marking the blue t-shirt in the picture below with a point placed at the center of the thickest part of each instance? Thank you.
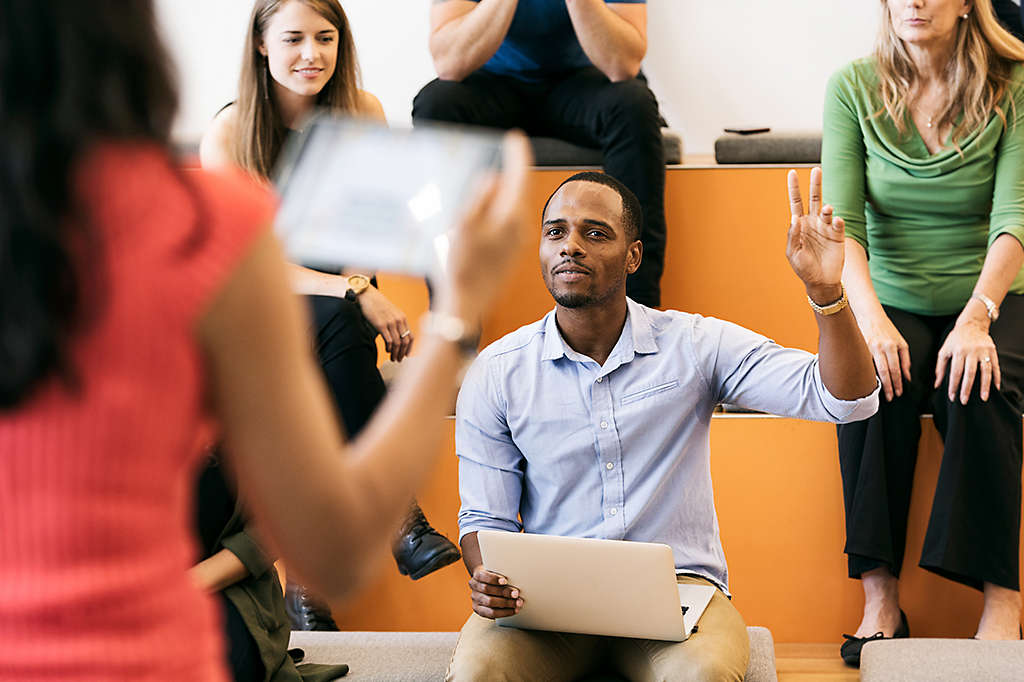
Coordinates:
(541, 42)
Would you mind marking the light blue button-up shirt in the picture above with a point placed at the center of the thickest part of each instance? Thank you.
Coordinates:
(551, 442)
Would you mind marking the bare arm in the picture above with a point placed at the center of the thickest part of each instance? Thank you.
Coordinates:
(816, 251)
(215, 147)
(890, 352)
(968, 350)
(280, 430)
(490, 593)
(612, 35)
(221, 570)
(464, 35)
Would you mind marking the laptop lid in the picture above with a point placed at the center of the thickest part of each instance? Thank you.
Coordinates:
(590, 586)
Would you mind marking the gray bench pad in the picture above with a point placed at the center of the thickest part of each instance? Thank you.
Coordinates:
(941, 660)
(424, 656)
(782, 146)
(550, 151)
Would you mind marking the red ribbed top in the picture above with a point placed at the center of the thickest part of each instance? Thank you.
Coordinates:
(96, 486)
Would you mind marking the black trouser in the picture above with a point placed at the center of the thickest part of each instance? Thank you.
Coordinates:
(587, 109)
(347, 350)
(974, 530)
(244, 658)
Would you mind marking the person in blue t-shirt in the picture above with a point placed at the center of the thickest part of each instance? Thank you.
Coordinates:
(558, 68)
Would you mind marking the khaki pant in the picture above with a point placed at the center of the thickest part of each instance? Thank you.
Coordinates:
(718, 651)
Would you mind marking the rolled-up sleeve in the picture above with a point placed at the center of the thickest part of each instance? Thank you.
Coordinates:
(749, 370)
(249, 551)
(490, 465)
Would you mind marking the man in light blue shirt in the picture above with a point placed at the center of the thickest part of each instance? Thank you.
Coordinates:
(594, 422)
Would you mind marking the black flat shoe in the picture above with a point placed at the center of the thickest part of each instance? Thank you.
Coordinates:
(850, 650)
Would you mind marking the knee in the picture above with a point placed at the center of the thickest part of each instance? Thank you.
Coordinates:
(631, 98)
(710, 669)
(438, 101)
(480, 663)
(334, 310)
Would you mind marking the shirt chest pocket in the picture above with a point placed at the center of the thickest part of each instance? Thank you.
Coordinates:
(647, 392)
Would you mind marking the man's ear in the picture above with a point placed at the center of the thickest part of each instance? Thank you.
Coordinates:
(634, 254)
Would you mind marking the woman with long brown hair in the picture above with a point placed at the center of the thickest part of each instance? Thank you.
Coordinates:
(923, 157)
(139, 307)
(298, 55)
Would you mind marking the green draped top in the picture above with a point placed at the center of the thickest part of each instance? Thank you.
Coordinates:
(926, 220)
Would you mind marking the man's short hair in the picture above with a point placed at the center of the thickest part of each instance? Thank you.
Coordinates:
(632, 213)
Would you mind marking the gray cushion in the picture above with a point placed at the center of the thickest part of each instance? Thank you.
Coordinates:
(421, 656)
(938, 660)
(783, 146)
(549, 151)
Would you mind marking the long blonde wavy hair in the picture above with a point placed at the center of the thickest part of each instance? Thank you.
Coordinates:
(260, 130)
(978, 72)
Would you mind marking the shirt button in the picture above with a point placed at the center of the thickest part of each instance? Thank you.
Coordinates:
(604, 425)
(613, 511)
(600, 379)
(609, 466)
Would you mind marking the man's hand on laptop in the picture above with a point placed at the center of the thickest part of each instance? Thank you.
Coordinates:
(492, 596)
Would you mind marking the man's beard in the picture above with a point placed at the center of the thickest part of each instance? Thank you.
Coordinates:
(574, 300)
(577, 299)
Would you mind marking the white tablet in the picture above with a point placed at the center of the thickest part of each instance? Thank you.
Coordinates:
(357, 193)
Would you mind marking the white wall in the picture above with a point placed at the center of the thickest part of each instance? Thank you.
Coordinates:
(712, 63)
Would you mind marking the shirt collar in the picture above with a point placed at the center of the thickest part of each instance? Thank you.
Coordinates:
(638, 325)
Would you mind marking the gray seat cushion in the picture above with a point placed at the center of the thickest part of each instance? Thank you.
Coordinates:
(783, 146)
(550, 151)
(941, 660)
(422, 656)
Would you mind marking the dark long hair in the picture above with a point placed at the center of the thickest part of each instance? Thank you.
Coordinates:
(72, 73)
(261, 132)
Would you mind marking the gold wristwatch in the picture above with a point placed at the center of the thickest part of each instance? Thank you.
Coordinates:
(831, 308)
(357, 284)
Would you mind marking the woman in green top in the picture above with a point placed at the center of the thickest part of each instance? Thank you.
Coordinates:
(923, 157)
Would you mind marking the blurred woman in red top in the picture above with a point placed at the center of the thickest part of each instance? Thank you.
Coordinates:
(139, 306)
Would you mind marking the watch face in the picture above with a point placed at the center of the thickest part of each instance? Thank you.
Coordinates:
(358, 283)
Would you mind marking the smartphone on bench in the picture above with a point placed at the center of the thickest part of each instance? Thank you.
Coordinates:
(356, 193)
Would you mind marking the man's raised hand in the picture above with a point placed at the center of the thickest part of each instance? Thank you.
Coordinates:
(815, 246)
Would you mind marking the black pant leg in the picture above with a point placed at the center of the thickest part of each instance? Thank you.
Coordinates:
(623, 120)
(346, 348)
(480, 99)
(877, 457)
(974, 530)
(244, 659)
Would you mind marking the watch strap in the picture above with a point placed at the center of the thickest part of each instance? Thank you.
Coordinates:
(831, 308)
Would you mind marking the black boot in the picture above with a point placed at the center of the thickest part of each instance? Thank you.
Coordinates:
(307, 611)
(419, 549)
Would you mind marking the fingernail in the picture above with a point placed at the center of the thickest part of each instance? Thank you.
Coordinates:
(502, 581)
(515, 593)
(519, 603)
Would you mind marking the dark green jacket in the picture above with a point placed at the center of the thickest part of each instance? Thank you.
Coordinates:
(258, 598)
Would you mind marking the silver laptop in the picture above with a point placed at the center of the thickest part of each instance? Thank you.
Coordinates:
(595, 587)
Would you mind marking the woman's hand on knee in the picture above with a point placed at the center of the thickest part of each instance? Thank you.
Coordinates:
(890, 353)
(970, 353)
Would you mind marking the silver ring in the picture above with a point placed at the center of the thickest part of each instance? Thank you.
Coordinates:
(405, 333)
(986, 359)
